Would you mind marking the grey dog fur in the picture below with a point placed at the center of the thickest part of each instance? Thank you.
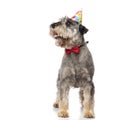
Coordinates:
(76, 70)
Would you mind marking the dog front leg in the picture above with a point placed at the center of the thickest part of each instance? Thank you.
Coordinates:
(56, 103)
(63, 101)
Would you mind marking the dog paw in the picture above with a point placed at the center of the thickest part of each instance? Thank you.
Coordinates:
(89, 115)
(56, 105)
(63, 114)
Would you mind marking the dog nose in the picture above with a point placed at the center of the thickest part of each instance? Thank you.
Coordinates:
(53, 25)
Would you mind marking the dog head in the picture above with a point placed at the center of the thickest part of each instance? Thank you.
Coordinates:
(67, 32)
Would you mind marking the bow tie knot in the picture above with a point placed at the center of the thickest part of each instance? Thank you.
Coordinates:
(75, 49)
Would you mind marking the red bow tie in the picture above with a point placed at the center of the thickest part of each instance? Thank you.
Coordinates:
(75, 49)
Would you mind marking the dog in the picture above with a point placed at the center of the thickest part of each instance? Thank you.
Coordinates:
(77, 68)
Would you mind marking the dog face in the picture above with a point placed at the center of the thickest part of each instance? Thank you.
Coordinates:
(67, 32)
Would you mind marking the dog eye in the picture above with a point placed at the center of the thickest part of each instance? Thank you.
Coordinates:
(68, 23)
(55, 24)
(59, 23)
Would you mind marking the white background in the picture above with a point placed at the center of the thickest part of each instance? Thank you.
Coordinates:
(29, 59)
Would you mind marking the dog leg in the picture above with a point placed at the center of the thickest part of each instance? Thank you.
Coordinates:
(81, 97)
(63, 102)
(88, 103)
(56, 103)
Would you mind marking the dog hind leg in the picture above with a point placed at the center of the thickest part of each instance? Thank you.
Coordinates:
(88, 103)
(81, 97)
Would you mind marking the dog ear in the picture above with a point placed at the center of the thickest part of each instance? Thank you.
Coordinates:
(83, 29)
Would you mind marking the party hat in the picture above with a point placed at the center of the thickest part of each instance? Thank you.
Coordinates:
(78, 17)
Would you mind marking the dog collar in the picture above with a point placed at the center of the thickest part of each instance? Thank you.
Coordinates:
(75, 49)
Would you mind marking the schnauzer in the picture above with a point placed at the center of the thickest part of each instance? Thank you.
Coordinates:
(77, 66)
